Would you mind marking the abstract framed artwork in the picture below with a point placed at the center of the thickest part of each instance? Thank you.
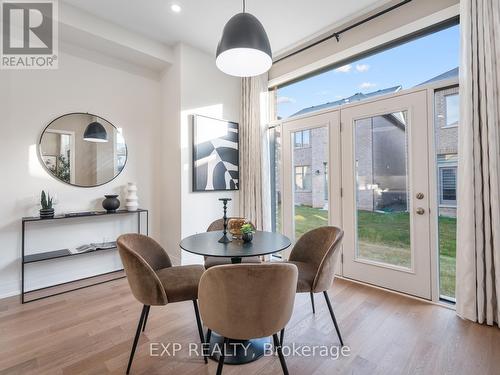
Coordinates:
(215, 154)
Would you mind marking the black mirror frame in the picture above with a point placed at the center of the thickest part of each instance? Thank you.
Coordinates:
(39, 150)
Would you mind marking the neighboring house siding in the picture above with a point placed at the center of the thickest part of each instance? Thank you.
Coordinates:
(446, 137)
(313, 156)
(364, 164)
(381, 164)
(381, 149)
(302, 156)
(446, 145)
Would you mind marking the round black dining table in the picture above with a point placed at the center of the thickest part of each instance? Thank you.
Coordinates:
(263, 243)
(207, 244)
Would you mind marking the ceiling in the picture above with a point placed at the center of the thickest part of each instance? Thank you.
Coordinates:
(200, 23)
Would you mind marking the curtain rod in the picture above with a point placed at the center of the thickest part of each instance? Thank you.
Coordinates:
(337, 34)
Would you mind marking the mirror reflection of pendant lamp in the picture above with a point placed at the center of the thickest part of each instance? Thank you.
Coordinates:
(95, 132)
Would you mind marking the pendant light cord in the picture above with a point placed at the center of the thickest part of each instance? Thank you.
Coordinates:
(244, 6)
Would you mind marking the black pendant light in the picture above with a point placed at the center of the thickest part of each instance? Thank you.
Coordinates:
(244, 49)
(95, 132)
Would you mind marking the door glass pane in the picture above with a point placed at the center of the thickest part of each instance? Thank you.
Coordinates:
(310, 174)
(382, 206)
(446, 135)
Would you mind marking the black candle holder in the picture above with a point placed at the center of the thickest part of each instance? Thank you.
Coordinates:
(225, 238)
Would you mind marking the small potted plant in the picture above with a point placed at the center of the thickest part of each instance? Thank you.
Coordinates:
(247, 232)
(47, 210)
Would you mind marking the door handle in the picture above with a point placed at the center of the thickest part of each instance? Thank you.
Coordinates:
(420, 211)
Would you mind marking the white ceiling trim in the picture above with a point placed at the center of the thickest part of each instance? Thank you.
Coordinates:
(88, 31)
(327, 30)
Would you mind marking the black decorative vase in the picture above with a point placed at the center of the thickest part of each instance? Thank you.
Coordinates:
(46, 213)
(247, 237)
(111, 203)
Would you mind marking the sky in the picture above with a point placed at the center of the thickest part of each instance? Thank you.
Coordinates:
(407, 65)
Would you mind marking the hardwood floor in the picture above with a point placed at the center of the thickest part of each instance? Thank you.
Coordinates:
(90, 331)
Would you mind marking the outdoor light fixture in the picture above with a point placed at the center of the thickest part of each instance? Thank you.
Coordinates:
(244, 49)
(95, 132)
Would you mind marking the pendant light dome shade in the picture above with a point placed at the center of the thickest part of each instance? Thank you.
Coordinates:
(95, 132)
(244, 49)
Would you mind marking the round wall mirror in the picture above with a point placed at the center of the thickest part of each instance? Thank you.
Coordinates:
(82, 149)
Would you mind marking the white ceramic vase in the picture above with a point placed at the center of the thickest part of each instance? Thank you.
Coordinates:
(132, 201)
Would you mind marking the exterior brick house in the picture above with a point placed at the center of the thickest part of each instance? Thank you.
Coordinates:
(446, 135)
(380, 155)
(380, 144)
(310, 157)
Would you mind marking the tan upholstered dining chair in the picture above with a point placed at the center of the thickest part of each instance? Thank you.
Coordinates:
(218, 225)
(154, 281)
(247, 301)
(315, 255)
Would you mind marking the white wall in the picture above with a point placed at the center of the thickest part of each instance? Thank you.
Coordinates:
(203, 90)
(169, 172)
(153, 111)
(29, 100)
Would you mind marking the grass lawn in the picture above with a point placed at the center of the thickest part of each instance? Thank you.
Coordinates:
(385, 237)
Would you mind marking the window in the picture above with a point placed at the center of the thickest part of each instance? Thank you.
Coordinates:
(448, 185)
(420, 61)
(452, 110)
(302, 139)
(303, 178)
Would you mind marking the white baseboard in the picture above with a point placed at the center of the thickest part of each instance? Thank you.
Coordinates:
(10, 293)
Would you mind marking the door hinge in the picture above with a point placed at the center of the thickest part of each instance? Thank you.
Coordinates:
(342, 258)
(341, 126)
(341, 192)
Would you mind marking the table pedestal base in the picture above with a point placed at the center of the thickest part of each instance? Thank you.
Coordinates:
(238, 352)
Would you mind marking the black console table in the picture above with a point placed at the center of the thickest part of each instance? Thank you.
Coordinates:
(55, 254)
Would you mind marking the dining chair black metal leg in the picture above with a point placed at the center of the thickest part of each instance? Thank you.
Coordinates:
(312, 302)
(209, 335)
(282, 336)
(136, 338)
(333, 317)
(145, 318)
(222, 356)
(207, 345)
(198, 322)
(280, 354)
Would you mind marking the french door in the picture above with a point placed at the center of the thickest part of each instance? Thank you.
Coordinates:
(311, 174)
(365, 167)
(386, 193)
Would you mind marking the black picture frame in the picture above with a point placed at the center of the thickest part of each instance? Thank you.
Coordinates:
(222, 172)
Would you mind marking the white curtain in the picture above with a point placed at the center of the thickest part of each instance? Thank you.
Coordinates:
(255, 195)
(478, 226)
